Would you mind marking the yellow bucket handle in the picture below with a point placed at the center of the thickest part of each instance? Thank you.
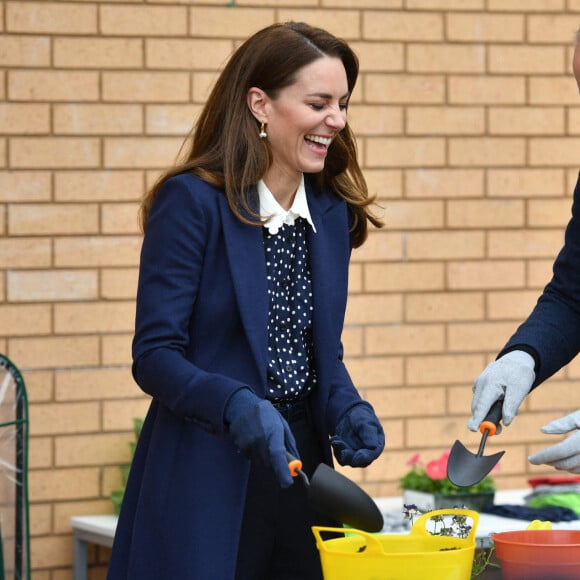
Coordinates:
(372, 546)
(419, 529)
(420, 525)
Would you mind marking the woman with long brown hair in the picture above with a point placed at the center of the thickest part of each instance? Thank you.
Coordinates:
(240, 308)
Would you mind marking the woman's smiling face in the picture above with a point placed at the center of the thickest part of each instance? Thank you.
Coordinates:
(305, 117)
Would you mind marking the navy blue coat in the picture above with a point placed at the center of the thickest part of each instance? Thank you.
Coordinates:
(201, 334)
(552, 331)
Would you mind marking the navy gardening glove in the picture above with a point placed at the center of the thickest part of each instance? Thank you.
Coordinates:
(359, 437)
(260, 432)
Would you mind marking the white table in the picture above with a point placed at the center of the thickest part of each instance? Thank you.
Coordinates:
(87, 530)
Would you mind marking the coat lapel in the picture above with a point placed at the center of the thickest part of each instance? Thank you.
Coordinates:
(329, 256)
(245, 249)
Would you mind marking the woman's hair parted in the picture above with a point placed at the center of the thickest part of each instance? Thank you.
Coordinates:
(224, 148)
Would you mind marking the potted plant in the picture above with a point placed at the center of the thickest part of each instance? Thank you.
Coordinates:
(428, 488)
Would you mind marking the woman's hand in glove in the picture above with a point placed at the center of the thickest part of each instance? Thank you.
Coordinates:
(564, 455)
(359, 437)
(260, 432)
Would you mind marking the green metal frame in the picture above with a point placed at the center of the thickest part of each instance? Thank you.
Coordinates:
(22, 508)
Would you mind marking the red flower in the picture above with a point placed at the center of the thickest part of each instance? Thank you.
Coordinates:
(437, 469)
(413, 461)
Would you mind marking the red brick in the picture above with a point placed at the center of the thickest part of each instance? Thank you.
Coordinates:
(51, 18)
(135, 20)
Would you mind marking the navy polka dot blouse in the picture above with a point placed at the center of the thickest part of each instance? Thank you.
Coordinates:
(291, 374)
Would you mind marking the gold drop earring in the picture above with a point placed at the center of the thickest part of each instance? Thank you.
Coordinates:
(262, 134)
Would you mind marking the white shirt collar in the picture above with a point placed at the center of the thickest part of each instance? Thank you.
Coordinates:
(278, 215)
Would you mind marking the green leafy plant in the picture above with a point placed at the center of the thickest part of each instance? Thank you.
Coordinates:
(483, 560)
(117, 495)
(432, 478)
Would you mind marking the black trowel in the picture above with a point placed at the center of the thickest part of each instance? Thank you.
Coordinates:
(338, 497)
(464, 468)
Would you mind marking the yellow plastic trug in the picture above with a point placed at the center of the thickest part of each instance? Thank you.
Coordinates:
(418, 554)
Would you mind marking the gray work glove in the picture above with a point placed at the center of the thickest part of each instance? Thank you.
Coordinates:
(564, 455)
(509, 378)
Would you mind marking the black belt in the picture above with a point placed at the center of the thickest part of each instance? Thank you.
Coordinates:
(292, 410)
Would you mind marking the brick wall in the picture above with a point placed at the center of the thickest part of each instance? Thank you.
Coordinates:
(469, 125)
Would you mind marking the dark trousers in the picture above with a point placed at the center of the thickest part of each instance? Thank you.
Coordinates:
(276, 540)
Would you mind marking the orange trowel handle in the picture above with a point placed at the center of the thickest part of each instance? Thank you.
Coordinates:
(294, 464)
(492, 419)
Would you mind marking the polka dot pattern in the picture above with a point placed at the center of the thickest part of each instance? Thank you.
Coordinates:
(290, 372)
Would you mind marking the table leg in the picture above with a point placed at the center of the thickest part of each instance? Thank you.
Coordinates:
(80, 563)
